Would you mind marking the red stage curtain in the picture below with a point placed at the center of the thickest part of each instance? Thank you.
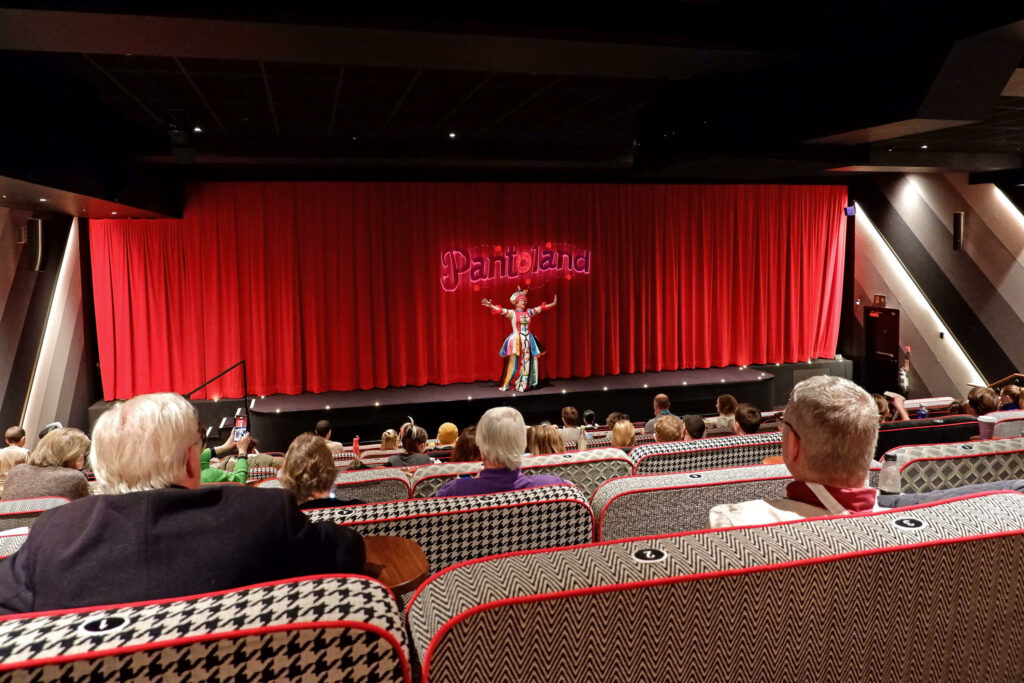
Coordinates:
(336, 286)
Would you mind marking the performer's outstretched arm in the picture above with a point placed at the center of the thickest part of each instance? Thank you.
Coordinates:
(554, 302)
(496, 309)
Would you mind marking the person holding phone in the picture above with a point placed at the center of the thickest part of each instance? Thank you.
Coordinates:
(239, 466)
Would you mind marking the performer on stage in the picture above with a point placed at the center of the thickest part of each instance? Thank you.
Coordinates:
(521, 348)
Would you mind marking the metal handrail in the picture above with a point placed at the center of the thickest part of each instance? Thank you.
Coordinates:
(245, 387)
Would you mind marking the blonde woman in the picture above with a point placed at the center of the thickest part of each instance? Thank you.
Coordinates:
(52, 469)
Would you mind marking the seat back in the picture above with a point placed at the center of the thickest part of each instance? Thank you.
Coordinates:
(705, 454)
(928, 430)
(11, 542)
(648, 504)
(428, 479)
(1002, 424)
(371, 486)
(946, 466)
(23, 512)
(797, 601)
(345, 626)
(584, 469)
(452, 530)
(261, 474)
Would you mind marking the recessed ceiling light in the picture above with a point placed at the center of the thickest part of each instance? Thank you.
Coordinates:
(452, 134)
(42, 199)
(197, 129)
(924, 146)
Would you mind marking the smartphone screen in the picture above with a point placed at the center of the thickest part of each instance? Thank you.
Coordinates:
(241, 427)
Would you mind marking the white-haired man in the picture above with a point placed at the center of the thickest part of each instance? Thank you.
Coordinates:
(501, 437)
(829, 430)
(163, 536)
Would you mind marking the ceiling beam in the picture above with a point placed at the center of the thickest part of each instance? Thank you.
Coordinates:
(97, 33)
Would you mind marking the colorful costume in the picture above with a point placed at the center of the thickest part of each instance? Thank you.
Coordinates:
(520, 349)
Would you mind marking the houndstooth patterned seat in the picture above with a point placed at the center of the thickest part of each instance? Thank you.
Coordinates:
(585, 469)
(23, 512)
(345, 628)
(705, 454)
(428, 479)
(648, 504)
(261, 474)
(946, 466)
(1008, 424)
(372, 486)
(797, 601)
(452, 530)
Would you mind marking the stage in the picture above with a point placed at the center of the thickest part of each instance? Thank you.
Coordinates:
(277, 419)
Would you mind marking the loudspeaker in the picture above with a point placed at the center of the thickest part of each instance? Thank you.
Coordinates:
(36, 244)
(958, 230)
(881, 349)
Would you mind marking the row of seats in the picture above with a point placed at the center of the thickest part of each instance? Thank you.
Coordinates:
(798, 601)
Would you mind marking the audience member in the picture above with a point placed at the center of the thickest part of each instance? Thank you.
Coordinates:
(501, 436)
(547, 440)
(1009, 397)
(52, 469)
(232, 470)
(466, 449)
(590, 419)
(389, 440)
(661, 407)
(897, 413)
(693, 427)
(49, 428)
(982, 401)
(15, 452)
(623, 436)
(747, 419)
(323, 430)
(668, 428)
(956, 407)
(309, 473)
(414, 441)
(447, 433)
(726, 405)
(613, 418)
(829, 430)
(164, 536)
(571, 425)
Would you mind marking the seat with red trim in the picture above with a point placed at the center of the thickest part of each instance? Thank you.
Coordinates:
(313, 628)
(373, 485)
(705, 454)
(914, 594)
(949, 465)
(24, 511)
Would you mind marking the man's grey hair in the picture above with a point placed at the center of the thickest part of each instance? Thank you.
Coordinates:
(501, 436)
(837, 424)
(143, 443)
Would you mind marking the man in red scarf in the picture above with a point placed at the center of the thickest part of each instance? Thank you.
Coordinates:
(829, 431)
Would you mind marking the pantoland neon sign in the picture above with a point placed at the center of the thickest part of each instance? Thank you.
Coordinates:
(491, 264)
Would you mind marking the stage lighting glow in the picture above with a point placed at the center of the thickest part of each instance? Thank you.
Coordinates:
(722, 380)
(469, 398)
(216, 398)
(113, 213)
(606, 388)
(684, 384)
(42, 199)
(452, 135)
(645, 386)
(327, 407)
(278, 410)
(376, 403)
(563, 391)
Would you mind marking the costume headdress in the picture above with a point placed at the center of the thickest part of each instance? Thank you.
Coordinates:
(514, 299)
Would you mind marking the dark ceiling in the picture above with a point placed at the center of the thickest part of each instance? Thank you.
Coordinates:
(126, 102)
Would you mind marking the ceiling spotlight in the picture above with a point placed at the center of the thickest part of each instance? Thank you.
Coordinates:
(43, 199)
(452, 135)
(197, 129)
(924, 146)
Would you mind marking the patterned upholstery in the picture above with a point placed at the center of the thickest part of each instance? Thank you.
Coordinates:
(10, 544)
(928, 430)
(645, 505)
(428, 479)
(452, 530)
(946, 466)
(23, 512)
(261, 473)
(1008, 424)
(373, 486)
(349, 628)
(705, 454)
(797, 602)
(585, 469)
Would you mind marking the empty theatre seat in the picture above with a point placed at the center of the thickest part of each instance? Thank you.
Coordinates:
(925, 431)
(18, 513)
(452, 530)
(331, 627)
(428, 479)
(705, 454)
(1003, 424)
(648, 504)
(584, 469)
(946, 466)
(372, 486)
(914, 594)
